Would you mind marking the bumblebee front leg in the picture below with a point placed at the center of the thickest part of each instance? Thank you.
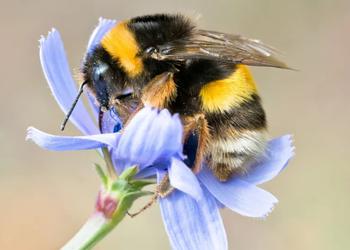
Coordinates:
(160, 91)
(157, 93)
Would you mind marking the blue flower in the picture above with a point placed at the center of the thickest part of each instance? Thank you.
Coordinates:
(152, 141)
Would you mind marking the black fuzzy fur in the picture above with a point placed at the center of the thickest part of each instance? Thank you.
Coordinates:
(249, 115)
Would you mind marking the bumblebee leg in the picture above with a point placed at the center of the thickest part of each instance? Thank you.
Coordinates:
(163, 189)
(203, 139)
(199, 124)
(224, 171)
(148, 205)
(138, 108)
(159, 91)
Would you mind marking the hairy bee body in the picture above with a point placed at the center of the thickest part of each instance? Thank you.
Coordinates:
(237, 125)
(165, 61)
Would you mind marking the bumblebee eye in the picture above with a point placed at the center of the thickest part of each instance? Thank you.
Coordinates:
(128, 92)
(125, 96)
(98, 71)
(151, 50)
(100, 85)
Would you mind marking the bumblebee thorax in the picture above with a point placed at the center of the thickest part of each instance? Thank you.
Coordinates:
(120, 43)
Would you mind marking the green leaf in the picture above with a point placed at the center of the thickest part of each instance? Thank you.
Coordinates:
(102, 175)
(135, 195)
(139, 184)
(110, 168)
(129, 173)
(119, 186)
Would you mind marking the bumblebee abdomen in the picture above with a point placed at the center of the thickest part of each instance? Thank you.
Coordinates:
(236, 121)
(238, 138)
(224, 94)
(233, 103)
(234, 154)
(249, 115)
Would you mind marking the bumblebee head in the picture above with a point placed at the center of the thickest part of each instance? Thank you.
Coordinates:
(105, 78)
(121, 64)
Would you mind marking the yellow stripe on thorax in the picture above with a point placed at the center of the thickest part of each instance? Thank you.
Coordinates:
(120, 43)
(222, 95)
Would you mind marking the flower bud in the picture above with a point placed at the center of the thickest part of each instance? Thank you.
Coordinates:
(106, 204)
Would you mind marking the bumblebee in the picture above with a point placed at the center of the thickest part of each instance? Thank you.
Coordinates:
(165, 61)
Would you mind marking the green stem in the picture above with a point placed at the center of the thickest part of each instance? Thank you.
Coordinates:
(110, 168)
(102, 232)
(91, 233)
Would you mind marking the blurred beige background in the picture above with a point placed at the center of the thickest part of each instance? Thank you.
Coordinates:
(46, 196)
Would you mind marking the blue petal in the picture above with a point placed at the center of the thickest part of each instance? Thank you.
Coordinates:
(149, 138)
(279, 152)
(182, 178)
(170, 133)
(238, 195)
(111, 122)
(131, 143)
(146, 173)
(191, 224)
(59, 78)
(62, 143)
(163, 138)
(104, 25)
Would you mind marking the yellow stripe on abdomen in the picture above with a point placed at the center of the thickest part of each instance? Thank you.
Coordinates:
(120, 43)
(222, 95)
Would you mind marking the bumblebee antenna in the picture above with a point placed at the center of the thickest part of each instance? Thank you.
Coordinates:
(81, 89)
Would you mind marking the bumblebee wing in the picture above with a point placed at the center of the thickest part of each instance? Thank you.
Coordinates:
(214, 45)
